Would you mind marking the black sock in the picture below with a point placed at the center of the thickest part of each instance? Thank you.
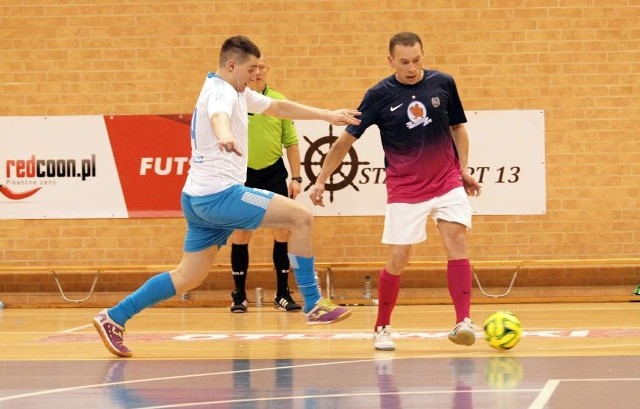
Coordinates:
(240, 265)
(281, 263)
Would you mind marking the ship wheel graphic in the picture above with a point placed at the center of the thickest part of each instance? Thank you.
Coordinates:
(344, 174)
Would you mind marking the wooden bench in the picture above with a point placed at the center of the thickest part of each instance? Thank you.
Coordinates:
(513, 267)
(516, 265)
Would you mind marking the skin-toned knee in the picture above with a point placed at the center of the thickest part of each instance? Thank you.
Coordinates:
(454, 238)
(185, 281)
(398, 259)
(281, 235)
(456, 247)
(302, 218)
(241, 237)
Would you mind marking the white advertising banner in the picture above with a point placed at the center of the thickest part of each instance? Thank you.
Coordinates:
(135, 165)
(58, 167)
(507, 156)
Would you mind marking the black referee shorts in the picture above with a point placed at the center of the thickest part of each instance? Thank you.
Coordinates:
(272, 178)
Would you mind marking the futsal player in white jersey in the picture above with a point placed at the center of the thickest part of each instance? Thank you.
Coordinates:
(215, 201)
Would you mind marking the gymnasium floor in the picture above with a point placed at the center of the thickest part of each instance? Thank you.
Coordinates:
(571, 356)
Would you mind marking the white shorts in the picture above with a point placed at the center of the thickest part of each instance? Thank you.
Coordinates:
(406, 223)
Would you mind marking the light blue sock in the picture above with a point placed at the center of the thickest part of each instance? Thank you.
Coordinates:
(306, 280)
(157, 288)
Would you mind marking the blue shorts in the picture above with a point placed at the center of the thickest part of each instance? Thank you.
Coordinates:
(211, 219)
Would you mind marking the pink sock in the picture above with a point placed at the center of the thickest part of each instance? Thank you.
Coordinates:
(388, 288)
(459, 282)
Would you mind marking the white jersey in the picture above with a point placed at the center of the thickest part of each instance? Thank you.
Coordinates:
(213, 170)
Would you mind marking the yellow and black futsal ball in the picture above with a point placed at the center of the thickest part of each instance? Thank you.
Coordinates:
(502, 330)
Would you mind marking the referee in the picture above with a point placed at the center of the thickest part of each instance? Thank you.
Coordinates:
(267, 137)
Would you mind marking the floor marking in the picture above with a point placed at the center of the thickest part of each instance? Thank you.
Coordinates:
(545, 394)
(601, 379)
(332, 395)
(189, 376)
(79, 335)
(77, 328)
(541, 400)
(549, 388)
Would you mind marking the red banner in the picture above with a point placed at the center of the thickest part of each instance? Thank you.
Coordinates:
(152, 157)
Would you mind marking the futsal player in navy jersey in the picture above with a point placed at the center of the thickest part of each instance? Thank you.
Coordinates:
(426, 146)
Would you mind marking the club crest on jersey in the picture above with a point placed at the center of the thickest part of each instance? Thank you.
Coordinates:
(435, 102)
(417, 114)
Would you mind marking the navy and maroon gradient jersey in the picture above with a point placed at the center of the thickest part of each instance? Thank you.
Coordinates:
(414, 121)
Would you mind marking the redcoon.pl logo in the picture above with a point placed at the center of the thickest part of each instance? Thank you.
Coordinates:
(44, 168)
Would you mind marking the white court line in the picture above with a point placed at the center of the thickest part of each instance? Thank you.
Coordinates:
(76, 328)
(331, 395)
(601, 380)
(166, 378)
(549, 388)
(200, 375)
(545, 394)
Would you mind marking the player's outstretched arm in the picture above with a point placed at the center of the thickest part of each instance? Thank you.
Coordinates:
(294, 110)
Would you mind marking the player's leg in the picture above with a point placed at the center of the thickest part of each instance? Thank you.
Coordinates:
(388, 289)
(283, 300)
(289, 214)
(458, 267)
(192, 270)
(258, 179)
(274, 179)
(453, 216)
(404, 225)
(201, 245)
(458, 280)
(389, 282)
(240, 268)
